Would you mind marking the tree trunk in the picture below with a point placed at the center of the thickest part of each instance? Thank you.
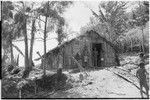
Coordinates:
(110, 31)
(131, 44)
(44, 61)
(31, 44)
(26, 48)
(11, 51)
(142, 40)
(27, 70)
(17, 62)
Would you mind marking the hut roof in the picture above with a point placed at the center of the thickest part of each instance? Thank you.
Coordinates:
(56, 49)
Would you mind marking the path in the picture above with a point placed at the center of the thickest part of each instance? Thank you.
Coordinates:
(105, 84)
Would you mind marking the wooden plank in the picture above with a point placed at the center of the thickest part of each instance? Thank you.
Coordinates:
(80, 67)
(39, 55)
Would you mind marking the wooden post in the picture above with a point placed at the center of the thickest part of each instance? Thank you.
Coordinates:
(36, 89)
(143, 49)
(19, 93)
(17, 62)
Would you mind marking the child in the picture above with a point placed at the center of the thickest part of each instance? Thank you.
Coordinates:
(141, 75)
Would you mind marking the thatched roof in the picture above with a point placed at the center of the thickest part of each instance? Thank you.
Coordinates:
(55, 50)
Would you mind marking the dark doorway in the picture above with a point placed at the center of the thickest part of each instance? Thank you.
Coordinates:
(96, 52)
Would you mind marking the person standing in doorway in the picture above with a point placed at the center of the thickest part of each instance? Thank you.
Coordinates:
(95, 57)
(85, 60)
(78, 57)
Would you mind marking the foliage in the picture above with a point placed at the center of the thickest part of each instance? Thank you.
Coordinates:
(54, 11)
(123, 28)
(95, 25)
(10, 30)
(11, 84)
(137, 36)
(134, 37)
(7, 8)
(141, 13)
(8, 89)
(114, 16)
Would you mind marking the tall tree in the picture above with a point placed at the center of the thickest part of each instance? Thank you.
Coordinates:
(141, 17)
(31, 44)
(21, 19)
(52, 11)
(33, 19)
(10, 30)
(25, 15)
(45, 31)
(112, 15)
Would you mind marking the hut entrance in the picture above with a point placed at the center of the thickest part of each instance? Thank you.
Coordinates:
(96, 52)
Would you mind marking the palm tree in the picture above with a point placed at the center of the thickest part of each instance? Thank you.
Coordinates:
(113, 17)
(52, 11)
(21, 19)
(34, 17)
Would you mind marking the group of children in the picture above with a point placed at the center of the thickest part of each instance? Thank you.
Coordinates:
(142, 75)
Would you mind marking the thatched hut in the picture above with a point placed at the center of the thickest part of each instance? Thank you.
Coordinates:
(90, 49)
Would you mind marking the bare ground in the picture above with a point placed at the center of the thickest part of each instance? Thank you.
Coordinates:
(105, 84)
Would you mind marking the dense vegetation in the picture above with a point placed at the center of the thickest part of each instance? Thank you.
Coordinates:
(18, 20)
(19, 17)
